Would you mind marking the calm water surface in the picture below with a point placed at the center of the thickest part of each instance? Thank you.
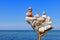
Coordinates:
(27, 35)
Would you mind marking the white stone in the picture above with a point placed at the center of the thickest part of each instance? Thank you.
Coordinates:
(41, 29)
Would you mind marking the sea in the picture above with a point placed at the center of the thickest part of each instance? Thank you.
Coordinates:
(28, 35)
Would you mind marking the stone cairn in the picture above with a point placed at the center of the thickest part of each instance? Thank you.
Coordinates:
(40, 24)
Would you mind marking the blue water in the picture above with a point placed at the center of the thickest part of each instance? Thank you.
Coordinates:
(27, 35)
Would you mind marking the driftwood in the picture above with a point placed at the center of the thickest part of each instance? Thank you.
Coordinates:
(40, 34)
(37, 31)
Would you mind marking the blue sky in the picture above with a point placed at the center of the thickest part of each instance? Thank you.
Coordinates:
(12, 13)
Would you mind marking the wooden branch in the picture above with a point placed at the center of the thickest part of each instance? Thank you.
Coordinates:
(38, 33)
